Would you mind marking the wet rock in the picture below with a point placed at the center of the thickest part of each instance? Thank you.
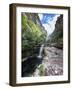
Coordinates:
(29, 65)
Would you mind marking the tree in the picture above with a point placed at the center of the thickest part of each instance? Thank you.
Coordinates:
(32, 35)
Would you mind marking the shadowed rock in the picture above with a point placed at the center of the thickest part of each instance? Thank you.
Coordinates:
(29, 65)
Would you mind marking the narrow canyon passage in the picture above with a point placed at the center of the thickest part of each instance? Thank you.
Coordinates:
(42, 45)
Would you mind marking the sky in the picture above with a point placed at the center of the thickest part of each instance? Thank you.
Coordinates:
(48, 21)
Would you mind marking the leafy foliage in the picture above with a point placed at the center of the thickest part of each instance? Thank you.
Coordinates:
(32, 35)
(41, 70)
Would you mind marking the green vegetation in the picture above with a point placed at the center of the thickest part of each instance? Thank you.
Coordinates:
(57, 36)
(32, 35)
(41, 70)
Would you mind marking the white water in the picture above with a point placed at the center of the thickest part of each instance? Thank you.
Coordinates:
(41, 50)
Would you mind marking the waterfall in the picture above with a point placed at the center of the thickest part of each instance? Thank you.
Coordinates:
(41, 50)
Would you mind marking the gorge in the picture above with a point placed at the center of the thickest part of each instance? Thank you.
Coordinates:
(42, 54)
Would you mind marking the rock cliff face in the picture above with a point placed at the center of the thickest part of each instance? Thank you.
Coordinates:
(56, 37)
(59, 23)
(35, 18)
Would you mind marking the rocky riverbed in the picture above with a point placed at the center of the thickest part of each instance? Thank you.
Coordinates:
(52, 63)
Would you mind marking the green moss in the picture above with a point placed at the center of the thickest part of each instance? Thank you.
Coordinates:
(24, 22)
(41, 70)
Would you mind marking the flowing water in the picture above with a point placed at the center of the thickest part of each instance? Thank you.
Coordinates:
(41, 50)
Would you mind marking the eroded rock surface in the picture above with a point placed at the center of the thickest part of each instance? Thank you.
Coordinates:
(52, 62)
